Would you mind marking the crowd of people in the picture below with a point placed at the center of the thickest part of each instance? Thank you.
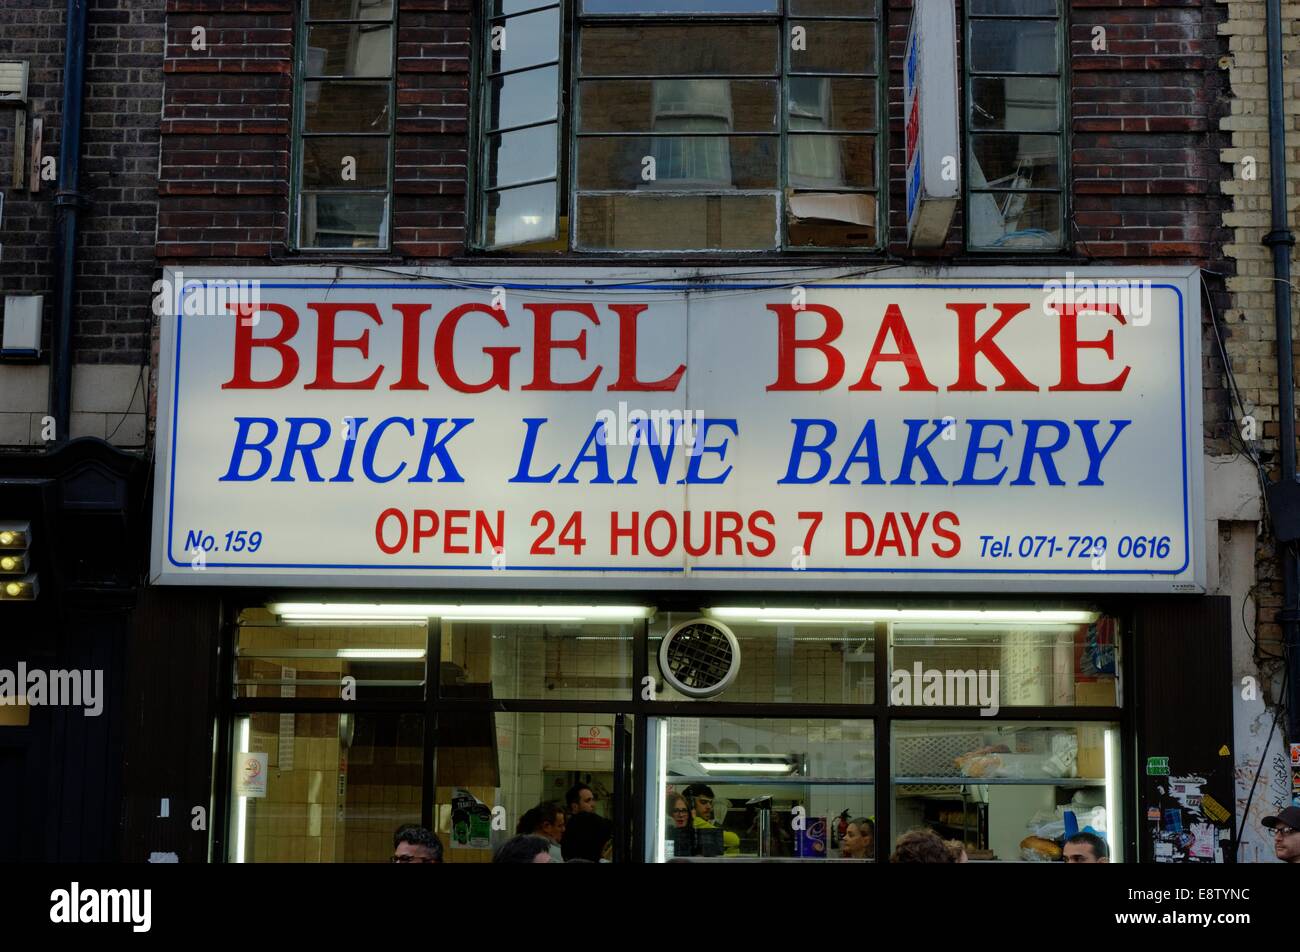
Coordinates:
(573, 832)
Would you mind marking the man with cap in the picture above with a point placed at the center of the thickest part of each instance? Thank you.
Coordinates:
(1286, 834)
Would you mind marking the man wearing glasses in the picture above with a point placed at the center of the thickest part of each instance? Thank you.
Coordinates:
(415, 844)
(1286, 834)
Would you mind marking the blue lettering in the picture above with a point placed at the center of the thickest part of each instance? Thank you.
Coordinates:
(867, 441)
(974, 451)
(800, 447)
(701, 447)
(914, 451)
(293, 446)
(522, 475)
(344, 475)
(372, 445)
(1044, 453)
(596, 442)
(1095, 456)
(242, 446)
(438, 447)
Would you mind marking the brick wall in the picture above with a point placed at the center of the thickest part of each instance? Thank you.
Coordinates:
(1252, 346)
(123, 97)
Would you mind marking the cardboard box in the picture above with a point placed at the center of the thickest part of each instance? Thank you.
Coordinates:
(1092, 751)
(1100, 693)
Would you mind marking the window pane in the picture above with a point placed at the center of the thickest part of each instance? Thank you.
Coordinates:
(1012, 161)
(521, 98)
(519, 215)
(991, 783)
(523, 156)
(833, 8)
(788, 662)
(553, 661)
(681, 6)
(1014, 46)
(350, 9)
(831, 220)
(310, 662)
(337, 786)
(343, 220)
(1015, 220)
(503, 7)
(680, 162)
(1047, 8)
(650, 222)
(835, 47)
(632, 105)
(820, 102)
(1031, 664)
(821, 161)
(781, 765)
(697, 48)
(530, 40)
(345, 107)
(330, 161)
(1015, 102)
(349, 50)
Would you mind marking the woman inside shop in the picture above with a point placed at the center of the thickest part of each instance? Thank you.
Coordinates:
(859, 840)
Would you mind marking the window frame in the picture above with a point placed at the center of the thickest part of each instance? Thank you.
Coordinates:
(569, 121)
(1062, 133)
(297, 136)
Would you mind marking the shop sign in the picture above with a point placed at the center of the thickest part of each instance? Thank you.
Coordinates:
(930, 145)
(595, 737)
(1008, 430)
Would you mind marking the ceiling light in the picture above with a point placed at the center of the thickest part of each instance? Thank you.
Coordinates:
(843, 615)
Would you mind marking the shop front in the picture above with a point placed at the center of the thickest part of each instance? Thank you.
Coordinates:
(778, 568)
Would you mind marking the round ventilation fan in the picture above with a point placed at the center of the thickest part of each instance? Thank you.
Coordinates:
(700, 657)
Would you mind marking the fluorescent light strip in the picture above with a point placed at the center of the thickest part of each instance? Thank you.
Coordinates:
(321, 612)
(841, 615)
(241, 807)
(381, 654)
(746, 767)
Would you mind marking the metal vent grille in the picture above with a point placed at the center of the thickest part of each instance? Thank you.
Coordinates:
(700, 657)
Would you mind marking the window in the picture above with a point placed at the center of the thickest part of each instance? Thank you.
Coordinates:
(732, 125)
(1015, 168)
(344, 125)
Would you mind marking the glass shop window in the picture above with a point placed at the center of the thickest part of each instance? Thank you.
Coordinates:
(279, 659)
(778, 661)
(323, 788)
(344, 124)
(731, 788)
(1008, 791)
(1015, 128)
(683, 134)
(561, 660)
(1035, 661)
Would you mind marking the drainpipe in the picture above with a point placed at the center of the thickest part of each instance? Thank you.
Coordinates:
(1280, 239)
(67, 204)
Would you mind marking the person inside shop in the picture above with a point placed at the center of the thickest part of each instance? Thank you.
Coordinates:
(1085, 847)
(588, 837)
(413, 843)
(580, 799)
(958, 851)
(859, 840)
(524, 849)
(545, 820)
(920, 846)
(700, 797)
(1286, 834)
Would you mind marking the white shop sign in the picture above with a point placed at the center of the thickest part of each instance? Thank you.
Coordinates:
(987, 431)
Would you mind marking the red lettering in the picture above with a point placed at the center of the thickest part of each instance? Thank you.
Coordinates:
(327, 343)
(444, 351)
(857, 517)
(426, 527)
(617, 532)
(627, 379)
(914, 531)
(703, 547)
(969, 345)
(889, 535)
(894, 325)
(729, 524)
(379, 531)
(764, 534)
(242, 377)
(411, 315)
(940, 531)
(544, 343)
(787, 343)
(1071, 345)
(660, 515)
(452, 528)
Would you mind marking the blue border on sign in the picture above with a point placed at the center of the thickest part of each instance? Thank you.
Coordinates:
(171, 479)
